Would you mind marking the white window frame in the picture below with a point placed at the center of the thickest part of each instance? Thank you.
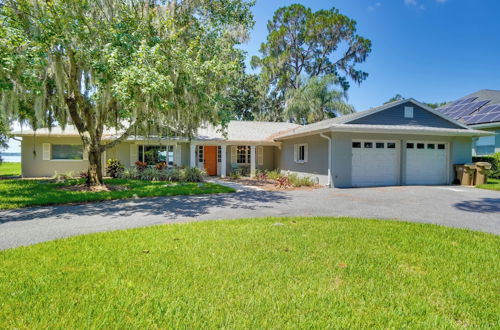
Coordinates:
(247, 154)
(409, 112)
(297, 153)
(200, 156)
(84, 153)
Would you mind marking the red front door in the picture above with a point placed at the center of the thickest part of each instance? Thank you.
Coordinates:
(210, 161)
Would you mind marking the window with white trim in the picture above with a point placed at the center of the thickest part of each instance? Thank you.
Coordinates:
(154, 154)
(243, 155)
(219, 154)
(200, 154)
(67, 152)
(408, 112)
(301, 153)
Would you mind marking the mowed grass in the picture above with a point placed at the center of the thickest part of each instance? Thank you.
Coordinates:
(22, 193)
(304, 273)
(493, 184)
(10, 169)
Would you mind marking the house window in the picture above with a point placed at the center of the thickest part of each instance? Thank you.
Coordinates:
(431, 146)
(409, 146)
(485, 145)
(156, 154)
(391, 145)
(380, 145)
(356, 145)
(67, 152)
(368, 145)
(441, 146)
(301, 153)
(200, 154)
(243, 155)
(420, 146)
(408, 112)
(219, 154)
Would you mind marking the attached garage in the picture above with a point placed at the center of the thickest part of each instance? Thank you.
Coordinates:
(375, 163)
(427, 163)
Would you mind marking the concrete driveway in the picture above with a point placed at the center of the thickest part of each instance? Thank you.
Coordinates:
(448, 205)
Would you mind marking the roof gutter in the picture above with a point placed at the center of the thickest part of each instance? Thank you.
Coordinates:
(330, 183)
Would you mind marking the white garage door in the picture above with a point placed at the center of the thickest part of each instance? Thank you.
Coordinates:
(426, 162)
(375, 163)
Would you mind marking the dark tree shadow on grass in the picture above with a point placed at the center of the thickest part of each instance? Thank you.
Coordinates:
(174, 207)
(483, 205)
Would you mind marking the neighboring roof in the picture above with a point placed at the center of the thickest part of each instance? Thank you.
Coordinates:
(243, 131)
(481, 109)
(342, 123)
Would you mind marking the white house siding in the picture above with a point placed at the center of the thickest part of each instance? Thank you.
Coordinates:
(32, 161)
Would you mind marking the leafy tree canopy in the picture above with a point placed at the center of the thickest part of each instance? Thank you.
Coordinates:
(399, 97)
(138, 66)
(316, 100)
(312, 44)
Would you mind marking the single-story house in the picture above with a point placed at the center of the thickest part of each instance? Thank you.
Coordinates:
(400, 143)
(479, 110)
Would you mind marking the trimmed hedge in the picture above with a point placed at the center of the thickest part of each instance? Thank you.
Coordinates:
(494, 160)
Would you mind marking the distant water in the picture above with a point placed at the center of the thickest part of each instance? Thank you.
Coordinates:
(11, 157)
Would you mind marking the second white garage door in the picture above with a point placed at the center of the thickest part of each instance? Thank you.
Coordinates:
(426, 163)
(375, 163)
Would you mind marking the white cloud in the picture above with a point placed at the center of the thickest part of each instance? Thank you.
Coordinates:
(375, 6)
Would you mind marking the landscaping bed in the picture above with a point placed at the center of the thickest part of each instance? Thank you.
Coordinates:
(275, 180)
(32, 192)
(256, 273)
(268, 184)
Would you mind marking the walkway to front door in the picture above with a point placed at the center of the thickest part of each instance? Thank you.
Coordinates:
(210, 160)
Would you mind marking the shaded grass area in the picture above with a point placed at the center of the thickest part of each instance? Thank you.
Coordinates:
(22, 193)
(493, 184)
(301, 273)
(10, 169)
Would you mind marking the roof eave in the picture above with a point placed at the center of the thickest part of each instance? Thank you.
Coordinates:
(407, 131)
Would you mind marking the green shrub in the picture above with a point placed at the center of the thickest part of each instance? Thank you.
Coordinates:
(235, 174)
(171, 174)
(193, 174)
(274, 174)
(300, 181)
(114, 168)
(149, 174)
(130, 173)
(494, 160)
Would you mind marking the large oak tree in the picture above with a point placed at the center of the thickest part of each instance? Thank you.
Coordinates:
(306, 44)
(136, 66)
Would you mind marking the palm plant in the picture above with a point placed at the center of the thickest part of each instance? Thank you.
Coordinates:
(315, 100)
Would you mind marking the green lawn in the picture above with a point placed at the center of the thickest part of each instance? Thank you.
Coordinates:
(493, 184)
(22, 193)
(10, 169)
(306, 273)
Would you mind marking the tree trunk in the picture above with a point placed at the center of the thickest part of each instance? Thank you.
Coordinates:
(94, 177)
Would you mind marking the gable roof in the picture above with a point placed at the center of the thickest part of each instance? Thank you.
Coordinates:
(481, 108)
(343, 123)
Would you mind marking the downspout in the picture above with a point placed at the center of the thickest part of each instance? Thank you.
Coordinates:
(329, 158)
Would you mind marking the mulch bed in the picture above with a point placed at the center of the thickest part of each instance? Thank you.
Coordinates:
(267, 184)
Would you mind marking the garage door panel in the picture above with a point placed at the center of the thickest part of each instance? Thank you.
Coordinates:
(374, 163)
(426, 163)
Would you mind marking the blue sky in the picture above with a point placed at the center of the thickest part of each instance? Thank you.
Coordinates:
(431, 50)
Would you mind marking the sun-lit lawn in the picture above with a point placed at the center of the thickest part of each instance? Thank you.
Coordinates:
(302, 273)
(22, 193)
(10, 169)
(493, 184)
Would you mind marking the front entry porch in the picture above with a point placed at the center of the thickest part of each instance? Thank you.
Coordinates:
(222, 159)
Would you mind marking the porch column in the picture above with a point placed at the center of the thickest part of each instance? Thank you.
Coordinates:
(193, 155)
(252, 161)
(223, 150)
